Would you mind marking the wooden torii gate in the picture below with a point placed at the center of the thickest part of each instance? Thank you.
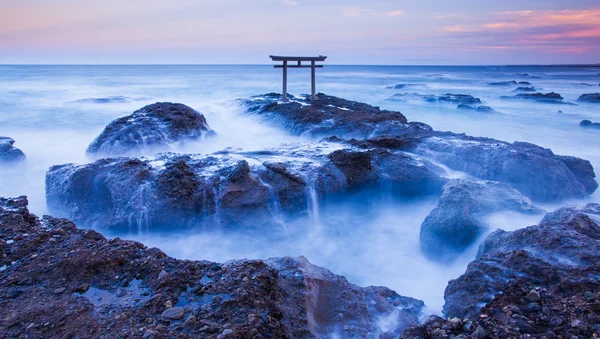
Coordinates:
(299, 60)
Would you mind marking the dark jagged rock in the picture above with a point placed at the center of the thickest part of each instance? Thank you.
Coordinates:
(590, 97)
(326, 116)
(458, 220)
(525, 89)
(152, 126)
(509, 83)
(553, 98)
(587, 123)
(237, 188)
(518, 164)
(560, 255)
(8, 152)
(59, 281)
(513, 314)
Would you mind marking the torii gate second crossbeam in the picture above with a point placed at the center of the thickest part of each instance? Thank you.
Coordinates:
(299, 60)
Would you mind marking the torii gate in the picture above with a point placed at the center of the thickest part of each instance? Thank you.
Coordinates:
(285, 66)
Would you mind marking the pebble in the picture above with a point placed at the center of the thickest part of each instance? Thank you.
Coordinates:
(8, 242)
(173, 313)
(533, 296)
(479, 333)
(163, 275)
(83, 288)
(30, 326)
(59, 290)
(225, 333)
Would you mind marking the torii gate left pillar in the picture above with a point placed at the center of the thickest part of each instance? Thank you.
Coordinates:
(285, 66)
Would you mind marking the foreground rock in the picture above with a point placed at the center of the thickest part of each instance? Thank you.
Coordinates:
(534, 171)
(587, 123)
(561, 256)
(233, 187)
(60, 281)
(152, 126)
(590, 97)
(458, 220)
(8, 152)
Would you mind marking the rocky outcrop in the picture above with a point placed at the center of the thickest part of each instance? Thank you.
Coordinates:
(153, 126)
(588, 123)
(233, 188)
(60, 281)
(325, 117)
(560, 255)
(590, 98)
(525, 89)
(404, 86)
(8, 152)
(458, 220)
(483, 109)
(534, 171)
(518, 164)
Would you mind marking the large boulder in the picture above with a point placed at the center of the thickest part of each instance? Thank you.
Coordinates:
(8, 152)
(560, 255)
(458, 220)
(235, 188)
(532, 170)
(87, 286)
(152, 126)
(590, 97)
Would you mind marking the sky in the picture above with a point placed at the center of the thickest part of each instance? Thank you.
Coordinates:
(398, 32)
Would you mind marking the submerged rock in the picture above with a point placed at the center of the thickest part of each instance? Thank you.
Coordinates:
(154, 125)
(550, 98)
(589, 97)
(587, 123)
(106, 100)
(8, 152)
(509, 83)
(525, 89)
(230, 187)
(460, 99)
(458, 220)
(403, 86)
(276, 298)
(560, 255)
(484, 109)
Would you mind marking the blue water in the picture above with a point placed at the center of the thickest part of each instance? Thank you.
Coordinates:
(41, 108)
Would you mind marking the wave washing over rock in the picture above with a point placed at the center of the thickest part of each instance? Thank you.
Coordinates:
(8, 152)
(60, 281)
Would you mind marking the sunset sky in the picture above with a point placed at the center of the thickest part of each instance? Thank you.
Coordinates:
(348, 32)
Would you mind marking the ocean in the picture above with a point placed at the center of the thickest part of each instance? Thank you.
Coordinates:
(54, 112)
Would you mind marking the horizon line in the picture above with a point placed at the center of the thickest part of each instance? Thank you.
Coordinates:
(271, 64)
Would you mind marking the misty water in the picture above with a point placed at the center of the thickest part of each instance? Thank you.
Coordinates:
(372, 239)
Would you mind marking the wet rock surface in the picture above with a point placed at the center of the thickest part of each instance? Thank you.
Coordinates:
(458, 220)
(60, 281)
(560, 255)
(231, 187)
(154, 125)
(8, 152)
(590, 98)
(588, 123)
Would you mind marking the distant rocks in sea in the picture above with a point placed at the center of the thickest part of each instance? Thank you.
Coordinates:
(525, 89)
(546, 98)
(153, 126)
(590, 124)
(527, 75)
(458, 220)
(509, 83)
(590, 98)
(105, 100)
(464, 101)
(8, 152)
(404, 86)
